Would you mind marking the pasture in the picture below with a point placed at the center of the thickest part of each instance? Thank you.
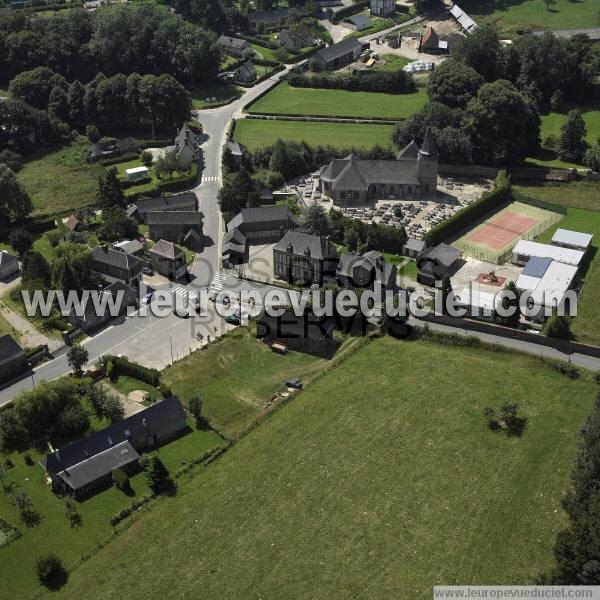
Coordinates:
(347, 490)
(258, 133)
(521, 15)
(283, 99)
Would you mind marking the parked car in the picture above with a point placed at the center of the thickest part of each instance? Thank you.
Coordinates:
(147, 271)
(233, 320)
(182, 313)
(147, 298)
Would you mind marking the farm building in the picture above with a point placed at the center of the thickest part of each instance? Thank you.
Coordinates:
(572, 239)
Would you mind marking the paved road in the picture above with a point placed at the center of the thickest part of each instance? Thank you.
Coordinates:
(216, 123)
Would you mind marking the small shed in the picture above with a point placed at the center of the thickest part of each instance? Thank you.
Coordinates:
(572, 239)
(136, 173)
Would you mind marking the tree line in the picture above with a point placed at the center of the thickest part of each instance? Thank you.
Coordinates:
(485, 101)
(367, 81)
(121, 38)
(116, 100)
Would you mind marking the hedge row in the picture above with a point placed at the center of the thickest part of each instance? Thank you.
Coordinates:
(258, 41)
(115, 160)
(348, 11)
(460, 220)
(207, 454)
(125, 512)
(122, 366)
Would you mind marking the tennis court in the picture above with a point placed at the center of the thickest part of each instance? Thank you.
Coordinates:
(493, 239)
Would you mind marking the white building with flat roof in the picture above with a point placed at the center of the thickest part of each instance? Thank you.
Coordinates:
(525, 249)
(136, 173)
(572, 239)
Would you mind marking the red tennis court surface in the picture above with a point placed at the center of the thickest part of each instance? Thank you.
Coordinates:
(502, 230)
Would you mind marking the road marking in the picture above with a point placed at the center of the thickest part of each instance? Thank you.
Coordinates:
(209, 179)
(217, 282)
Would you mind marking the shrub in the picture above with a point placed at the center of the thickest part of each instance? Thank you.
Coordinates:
(27, 459)
(110, 371)
(121, 480)
(8, 463)
(122, 366)
(165, 390)
(50, 571)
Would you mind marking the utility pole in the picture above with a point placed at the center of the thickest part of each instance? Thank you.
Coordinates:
(171, 340)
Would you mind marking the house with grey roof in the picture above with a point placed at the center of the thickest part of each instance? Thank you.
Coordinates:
(94, 311)
(270, 20)
(168, 259)
(234, 46)
(369, 271)
(357, 22)
(436, 263)
(339, 55)
(180, 227)
(187, 201)
(111, 148)
(115, 265)
(12, 358)
(246, 73)
(257, 225)
(413, 247)
(9, 265)
(297, 38)
(187, 146)
(134, 247)
(237, 150)
(86, 466)
(351, 182)
(301, 257)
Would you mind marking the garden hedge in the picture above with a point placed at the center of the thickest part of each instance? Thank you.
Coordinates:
(122, 366)
(490, 201)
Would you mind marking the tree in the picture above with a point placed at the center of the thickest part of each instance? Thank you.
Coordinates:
(116, 225)
(120, 480)
(571, 143)
(147, 158)
(92, 133)
(557, 102)
(71, 512)
(15, 203)
(113, 408)
(481, 51)
(591, 158)
(158, 476)
(77, 357)
(315, 221)
(11, 159)
(503, 124)
(110, 192)
(238, 191)
(453, 83)
(12, 433)
(558, 327)
(50, 571)
(22, 502)
(549, 3)
(512, 320)
(72, 268)
(33, 87)
(20, 241)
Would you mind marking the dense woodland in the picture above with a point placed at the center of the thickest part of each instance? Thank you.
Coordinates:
(485, 101)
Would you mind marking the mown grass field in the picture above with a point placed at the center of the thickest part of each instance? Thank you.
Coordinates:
(284, 99)
(255, 133)
(369, 484)
(221, 92)
(391, 62)
(577, 194)
(61, 180)
(54, 533)
(522, 15)
(235, 377)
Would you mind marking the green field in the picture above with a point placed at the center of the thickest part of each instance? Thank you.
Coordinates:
(577, 194)
(283, 99)
(551, 124)
(523, 15)
(54, 534)
(369, 484)
(409, 270)
(60, 181)
(258, 133)
(235, 377)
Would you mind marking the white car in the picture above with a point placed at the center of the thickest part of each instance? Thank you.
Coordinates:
(147, 298)
(182, 313)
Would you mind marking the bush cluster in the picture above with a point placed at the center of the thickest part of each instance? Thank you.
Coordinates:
(396, 81)
(122, 366)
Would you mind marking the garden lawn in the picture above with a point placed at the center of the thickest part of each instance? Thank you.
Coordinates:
(235, 376)
(125, 385)
(409, 270)
(265, 53)
(347, 490)
(142, 187)
(255, 133)
(283, 99)
(391, 62)
(54, 534)
(520, 15)
(61, 180)
(222, 93)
